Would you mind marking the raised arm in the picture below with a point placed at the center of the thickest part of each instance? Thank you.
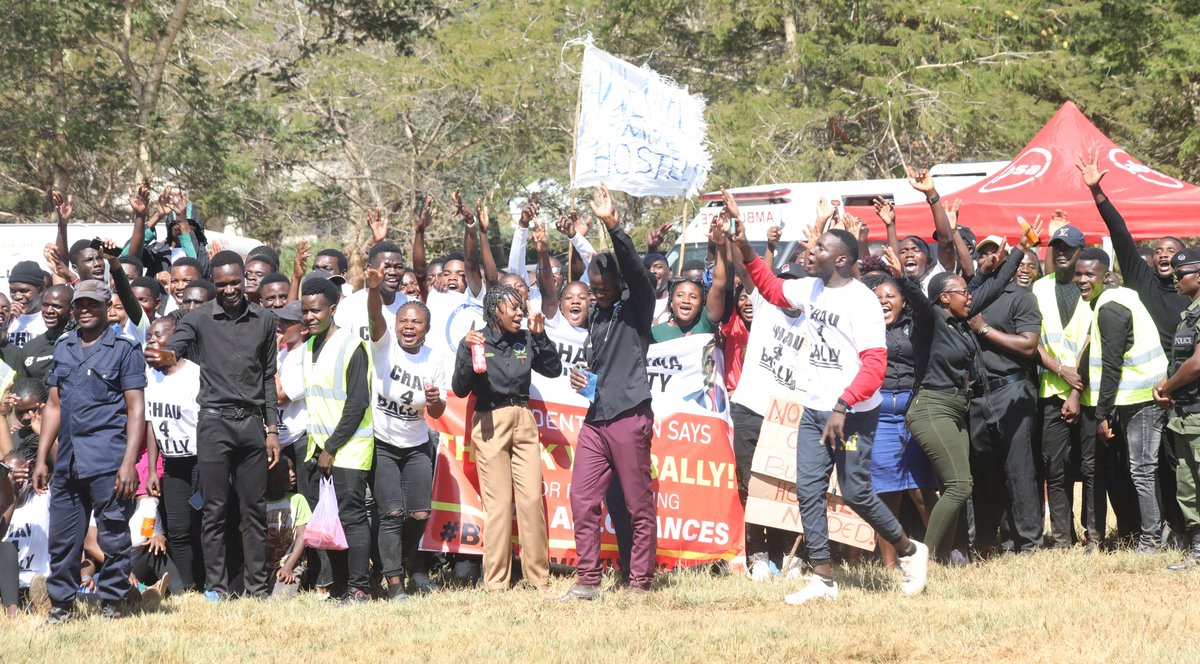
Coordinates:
(637, 279)
(424, 214)
(1133, 268)
(133, 308)
(470, 245)
(886, 211)
(489, 262)
(139, 202)
(719, 292)
(375, 303)
(299, 268)
(545, 278)
(985, 292)
(520, 241)
(922, 181)
(962, 254)
(63, 208)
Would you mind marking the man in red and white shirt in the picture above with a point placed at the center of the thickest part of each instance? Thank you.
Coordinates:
(847, 359)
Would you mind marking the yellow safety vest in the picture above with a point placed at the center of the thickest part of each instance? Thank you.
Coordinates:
(1144, 364)
(325, 397)
(1063, 343)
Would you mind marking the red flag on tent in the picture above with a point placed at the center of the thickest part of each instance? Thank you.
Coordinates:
(1043, 178)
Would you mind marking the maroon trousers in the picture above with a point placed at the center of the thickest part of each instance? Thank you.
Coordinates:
(620, 445)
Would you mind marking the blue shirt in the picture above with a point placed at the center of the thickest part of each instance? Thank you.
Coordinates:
(91, 386)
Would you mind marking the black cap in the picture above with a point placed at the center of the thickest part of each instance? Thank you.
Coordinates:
(27, 272)
(1070, 236)
(1186, 258)
(290, 312)
(791, 271)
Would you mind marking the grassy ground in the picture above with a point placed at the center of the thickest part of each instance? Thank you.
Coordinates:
(1050, 606)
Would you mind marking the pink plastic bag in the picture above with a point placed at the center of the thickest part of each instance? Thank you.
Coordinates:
(324, 529)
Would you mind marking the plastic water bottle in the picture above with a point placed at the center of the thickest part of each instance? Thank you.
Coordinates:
(478, 359)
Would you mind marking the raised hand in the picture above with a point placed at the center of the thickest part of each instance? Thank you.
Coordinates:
(1032, 236)
(374, 277)
(164, 202)
(718, 230)
(180, 202)
(537, 323)
(603, 208)
(529, 212)
(885, 210)
(63, 208)
(540, 241)
(582, 224)
(952, 213)
(893, 262)
(378, 223)
(774, 235)
(566, 226)
(473, 337)
(1089, 168)
(213, 247)
(1057, 220)
(425, 214)
(482, 211)
(300, 264)
(139, 201)
(731, 205)
(852, 224)
(460, 208)
(825, 209)
(921, 180)
(657, 234)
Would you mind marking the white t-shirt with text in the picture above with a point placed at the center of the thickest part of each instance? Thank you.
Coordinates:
(171, 408)
(398, 388)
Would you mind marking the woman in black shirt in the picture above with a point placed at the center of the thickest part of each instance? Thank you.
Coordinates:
(898, 465)
(944, 351)
(507, 445)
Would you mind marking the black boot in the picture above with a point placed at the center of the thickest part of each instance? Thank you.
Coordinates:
(1192, 558)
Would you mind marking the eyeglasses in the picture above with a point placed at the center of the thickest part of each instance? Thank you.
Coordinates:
(1180, 276)
(553, 270)
(960, 291)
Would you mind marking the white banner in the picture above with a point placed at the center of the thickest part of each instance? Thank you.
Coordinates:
(638, 132)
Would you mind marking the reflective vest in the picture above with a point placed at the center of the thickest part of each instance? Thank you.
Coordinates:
(325, 397)
(1063, 343)
(1144, 364)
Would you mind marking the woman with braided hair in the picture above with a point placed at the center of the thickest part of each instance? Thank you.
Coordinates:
(505, 435)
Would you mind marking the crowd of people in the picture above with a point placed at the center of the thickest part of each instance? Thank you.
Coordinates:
(175, 412)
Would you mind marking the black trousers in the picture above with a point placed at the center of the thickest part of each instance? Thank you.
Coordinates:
(233, 451)
(347, 570)
(759, 539)
(1006, 497)
(1062, 444)
(181, 521)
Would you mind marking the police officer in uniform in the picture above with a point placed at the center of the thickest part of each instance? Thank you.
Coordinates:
(1180, 392)
(96, 411)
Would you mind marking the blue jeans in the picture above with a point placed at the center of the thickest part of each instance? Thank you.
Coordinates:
(72, 501)
(852, 460)
(1142, 425)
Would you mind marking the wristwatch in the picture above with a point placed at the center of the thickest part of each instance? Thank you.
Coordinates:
(845, 406)
(983, 331)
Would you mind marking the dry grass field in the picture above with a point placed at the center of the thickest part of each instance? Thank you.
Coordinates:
(1047, 607)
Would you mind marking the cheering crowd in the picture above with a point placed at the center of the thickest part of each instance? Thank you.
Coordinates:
(188, 419)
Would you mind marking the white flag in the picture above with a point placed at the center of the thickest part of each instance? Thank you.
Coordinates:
(638, 132)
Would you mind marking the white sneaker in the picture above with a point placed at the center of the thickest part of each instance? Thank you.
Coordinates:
(816, 589)
(914, 570)
(760, 569)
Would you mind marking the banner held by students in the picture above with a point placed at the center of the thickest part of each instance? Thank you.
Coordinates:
(637, 132)
(699, 515)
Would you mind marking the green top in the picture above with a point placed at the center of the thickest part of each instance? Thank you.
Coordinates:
(666, 331)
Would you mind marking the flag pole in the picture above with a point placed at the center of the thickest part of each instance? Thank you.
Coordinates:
(574, 157)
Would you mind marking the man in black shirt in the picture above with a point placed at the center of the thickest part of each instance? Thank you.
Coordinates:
(234, 342)
(616, 434)
(1155, 287)
(33, 360)
(1006, 495)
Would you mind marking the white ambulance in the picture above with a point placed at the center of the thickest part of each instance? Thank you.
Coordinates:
(792, 206)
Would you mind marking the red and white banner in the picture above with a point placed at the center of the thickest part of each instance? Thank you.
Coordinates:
(699, 516)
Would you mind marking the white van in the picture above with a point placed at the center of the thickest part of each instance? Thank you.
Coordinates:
(792, 206)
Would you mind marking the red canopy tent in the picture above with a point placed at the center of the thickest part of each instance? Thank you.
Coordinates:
(1043, 177)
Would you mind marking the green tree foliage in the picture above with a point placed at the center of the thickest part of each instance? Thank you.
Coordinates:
(292, 118)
